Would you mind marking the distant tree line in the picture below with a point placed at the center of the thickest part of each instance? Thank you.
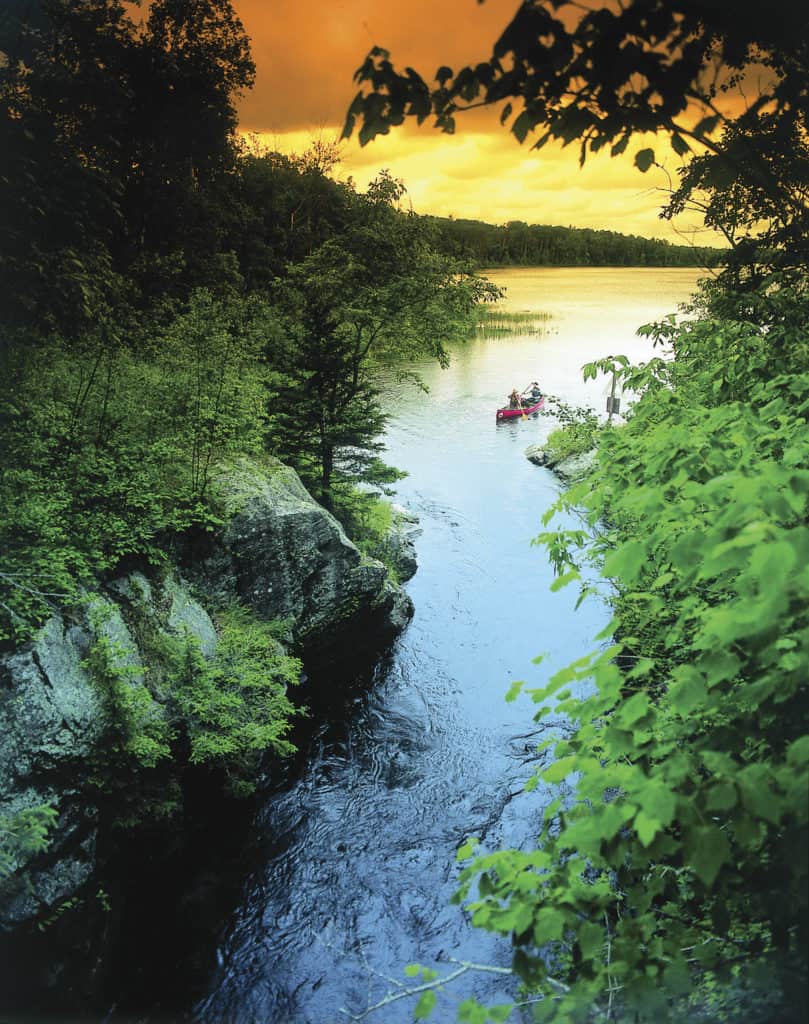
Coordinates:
(541, 245)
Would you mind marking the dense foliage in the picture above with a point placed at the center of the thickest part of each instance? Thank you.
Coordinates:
(223, 712)
(172, 296)
(106, 449)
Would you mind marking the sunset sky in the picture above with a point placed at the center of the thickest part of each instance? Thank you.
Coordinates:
(306, 52)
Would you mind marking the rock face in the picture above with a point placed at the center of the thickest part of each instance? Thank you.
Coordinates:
(286, 557)
(52, 717)
(278, 551)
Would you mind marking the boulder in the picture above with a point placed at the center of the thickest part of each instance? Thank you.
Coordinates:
(569, 470)
(576, 467)
(53, 718)
(398, 547)
(286, 557)
(537, 454)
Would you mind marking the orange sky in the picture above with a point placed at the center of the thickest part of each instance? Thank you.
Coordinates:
(306, 52)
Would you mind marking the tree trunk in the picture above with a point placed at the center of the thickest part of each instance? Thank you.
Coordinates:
(326, 468)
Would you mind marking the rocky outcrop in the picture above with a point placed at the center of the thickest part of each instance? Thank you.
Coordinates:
(285, 556)
(569, 470)
(53, 718)
(397, 549)
(277, 551)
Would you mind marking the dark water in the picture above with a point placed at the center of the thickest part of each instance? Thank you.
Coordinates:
(356, 858)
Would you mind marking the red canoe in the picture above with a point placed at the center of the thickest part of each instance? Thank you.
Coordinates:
(511, 414)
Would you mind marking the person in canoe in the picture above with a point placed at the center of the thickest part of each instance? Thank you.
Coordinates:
(514, 400)
(532, 394)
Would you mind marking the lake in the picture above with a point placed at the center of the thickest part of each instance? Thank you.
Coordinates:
(354, 857)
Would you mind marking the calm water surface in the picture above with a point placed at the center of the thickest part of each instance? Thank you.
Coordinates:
(356, 861)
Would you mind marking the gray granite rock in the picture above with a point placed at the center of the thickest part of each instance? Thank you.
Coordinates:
(577, 467)
(537, 454)
(51, 717)
(187, 616)
(398, 548)
(569, 470)
(286, 557)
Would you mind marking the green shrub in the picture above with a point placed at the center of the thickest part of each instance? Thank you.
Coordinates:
(368, 519)
(235, 706)
(23, 835)
(578, 431)
(226, 711)
(106, 450)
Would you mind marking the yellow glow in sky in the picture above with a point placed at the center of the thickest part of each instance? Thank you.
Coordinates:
(306, 53)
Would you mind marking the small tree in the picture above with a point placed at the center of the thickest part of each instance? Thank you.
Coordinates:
(377, 291)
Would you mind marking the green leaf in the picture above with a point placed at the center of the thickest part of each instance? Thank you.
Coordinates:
(658, 800)
(549, 926)
(425, 1005)
(514, 690)
(562, 581)
(633, 710)
(468, 849)
(721, 797)
(757, 793)
(644, 159)
(798, 752)
(627, 560)
(647, 827)
(500, 1012)
(560, 770)
(591, 939)
(412, 970)
(471, 1012)
(706, 850)
(688, 691)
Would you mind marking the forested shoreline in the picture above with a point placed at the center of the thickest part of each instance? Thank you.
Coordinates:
(518, 244)
(176, 302)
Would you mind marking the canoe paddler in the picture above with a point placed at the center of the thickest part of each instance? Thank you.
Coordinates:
(514, 400)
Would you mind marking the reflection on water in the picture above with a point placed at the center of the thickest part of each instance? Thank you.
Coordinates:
(357, 855)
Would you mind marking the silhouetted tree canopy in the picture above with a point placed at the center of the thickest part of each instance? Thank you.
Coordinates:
(599, 77)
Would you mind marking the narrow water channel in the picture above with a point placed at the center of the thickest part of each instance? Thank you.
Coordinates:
(355, 864)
